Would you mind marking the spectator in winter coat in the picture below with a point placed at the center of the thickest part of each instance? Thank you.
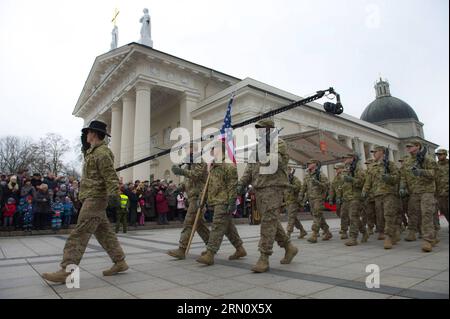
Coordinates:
(8, 212)
(27, 213)
(27, 189)
(162, 207)
(68, 212)
(12, 189)
(42, 207)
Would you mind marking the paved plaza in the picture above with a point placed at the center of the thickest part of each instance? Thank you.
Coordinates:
(323, 270)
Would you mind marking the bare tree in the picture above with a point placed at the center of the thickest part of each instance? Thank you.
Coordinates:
(55, 147)
(16, 153)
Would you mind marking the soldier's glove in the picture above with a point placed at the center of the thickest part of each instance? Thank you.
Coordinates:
(388, 179)
(348, 179)
(364, 195)
(114, 201)
(177, 170)
(231, 206)
(338, 201)
(419, 172)
(84, 143)
(403, 192)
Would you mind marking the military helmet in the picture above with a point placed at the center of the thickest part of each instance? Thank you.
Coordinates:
(378, 148)
(312, 161)
(441, 152)
(267, 123)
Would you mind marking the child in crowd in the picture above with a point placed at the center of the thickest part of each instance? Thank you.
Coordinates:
(68, 212)
(8, 212)
(58, 209)
(141, 211)
(27, 211)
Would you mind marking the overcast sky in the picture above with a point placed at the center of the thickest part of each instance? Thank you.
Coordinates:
(48, 48)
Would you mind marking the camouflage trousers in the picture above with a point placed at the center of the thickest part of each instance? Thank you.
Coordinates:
(222, 224)
(369, 216)
(422, 211)
(345, 218)
(318, 219)
(268, 203)
(293, 220)
(189, 220)
(443, 205)
(386, 206)
(353, 208)
(92, 220)
(121, 218)
(403, 210)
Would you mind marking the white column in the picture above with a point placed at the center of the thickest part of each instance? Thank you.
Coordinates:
(362, 153)
(116, 132)
(391, 154)
(348, 141)
(142, 131)
(127, 140)
(324, 171)
(331, 172)
(187, 105)
(335, 135)
(370, 149)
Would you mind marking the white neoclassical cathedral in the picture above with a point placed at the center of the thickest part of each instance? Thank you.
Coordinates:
(143, 93)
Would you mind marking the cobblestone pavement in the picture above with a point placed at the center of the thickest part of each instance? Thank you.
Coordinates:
(328, 269)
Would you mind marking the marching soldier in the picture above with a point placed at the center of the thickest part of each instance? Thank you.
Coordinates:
(351, 198)
(335, 189)
(99, 186)
(314, 189)
(222, 200)
(382, 182)
(268, 188)
(369, 207)
(293, 207)
(442, 182)
(195, 178)
(419, 181)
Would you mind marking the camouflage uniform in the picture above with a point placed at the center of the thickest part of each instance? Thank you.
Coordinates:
(369, 211)
(335, 189)
(268, 188)
(384, 188)
(351, 200)
(442, 184)
(293, 207)
(195, 181)
(422, 191)
(99, 180)
(315, 190)
(222, 194)
(403, 201)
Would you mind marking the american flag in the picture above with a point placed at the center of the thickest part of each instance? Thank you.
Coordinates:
(226, 132)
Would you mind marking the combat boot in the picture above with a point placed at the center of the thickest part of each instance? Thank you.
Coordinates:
(381, 236)
(313, 238)
(351, 242)
(59, 276)
(397, 236)
(116, 268)
(262, 265)
(207, 259)
(411, 236)
(303, 233)
(365, 237)
(427, 247)
(179, 253)
(436, 239)
(344, 235)
(388, 243)
(327, 235)
(370, 230)
(240, 252)
(290, 253)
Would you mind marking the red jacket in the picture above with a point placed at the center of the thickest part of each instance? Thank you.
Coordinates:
(9, 210)
(162, 207)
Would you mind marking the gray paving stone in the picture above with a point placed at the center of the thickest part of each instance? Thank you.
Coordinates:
(219, 287)
(175, 293)
(147, 286)
(259, 293)
(299, 287)
(26, 292)
(347, 293)
(108, 292)
(442, 276)
(438, 286)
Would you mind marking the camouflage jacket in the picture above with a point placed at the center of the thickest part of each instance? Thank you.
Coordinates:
(442, 178)
(195, 179)
(279, 178)
(314, 189)
(374, 182)
(336, 186)
(352, 190)
(222, 184)
(99, 178)
(291, 193)
(419, 184)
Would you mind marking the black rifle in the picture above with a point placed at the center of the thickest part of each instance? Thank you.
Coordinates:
(317, 172)
(420, 158)
(291, 176)
(353, 165)
(386, 161)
